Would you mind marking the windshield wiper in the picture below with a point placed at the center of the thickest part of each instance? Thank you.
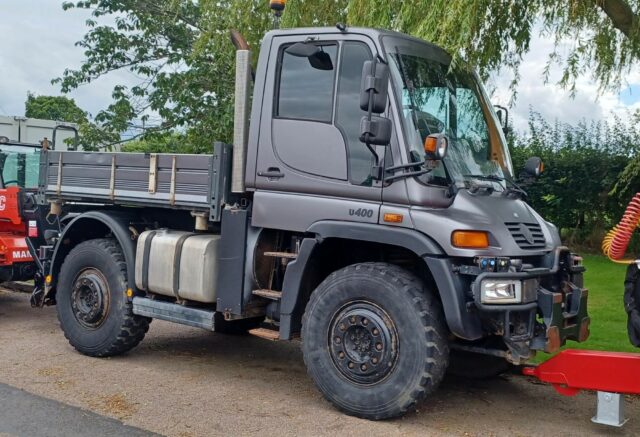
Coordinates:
(515, 188)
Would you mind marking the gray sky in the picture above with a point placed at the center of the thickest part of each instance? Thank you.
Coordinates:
(38, 43)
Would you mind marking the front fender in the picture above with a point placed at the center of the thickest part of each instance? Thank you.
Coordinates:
(461, 321)
(418, 243)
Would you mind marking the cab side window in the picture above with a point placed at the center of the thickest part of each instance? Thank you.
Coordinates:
(348, 112)
(318, 100)
(306, 92)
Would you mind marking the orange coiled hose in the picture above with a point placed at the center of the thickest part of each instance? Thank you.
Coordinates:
(615, 243)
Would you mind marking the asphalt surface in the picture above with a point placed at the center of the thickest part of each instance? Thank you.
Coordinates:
(186, 382)
(25, 414)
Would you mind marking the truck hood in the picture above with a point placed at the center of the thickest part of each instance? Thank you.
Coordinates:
(515, 229)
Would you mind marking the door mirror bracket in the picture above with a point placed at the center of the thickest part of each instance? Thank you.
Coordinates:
(375, 129)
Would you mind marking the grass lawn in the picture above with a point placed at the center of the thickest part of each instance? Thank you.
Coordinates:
(605, 281)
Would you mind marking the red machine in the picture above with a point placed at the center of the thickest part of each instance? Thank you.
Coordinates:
(611, 374)
(16, 262)
(19, 165)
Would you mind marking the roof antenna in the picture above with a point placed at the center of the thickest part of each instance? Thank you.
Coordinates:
(277, 6)
(341, 27)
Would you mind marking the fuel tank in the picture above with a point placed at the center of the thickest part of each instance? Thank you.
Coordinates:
(177, 263)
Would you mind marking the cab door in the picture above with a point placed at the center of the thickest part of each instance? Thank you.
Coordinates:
(311, 164)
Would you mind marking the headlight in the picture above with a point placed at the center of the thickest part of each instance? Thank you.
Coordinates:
(497, 291)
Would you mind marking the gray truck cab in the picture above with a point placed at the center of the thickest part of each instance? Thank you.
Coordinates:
(369, 207)
(309, 172)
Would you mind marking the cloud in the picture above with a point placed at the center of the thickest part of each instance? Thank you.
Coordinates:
(38, 40)
(38, 43)
(555, 103)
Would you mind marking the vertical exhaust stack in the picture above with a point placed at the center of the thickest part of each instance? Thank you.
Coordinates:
(241, 110)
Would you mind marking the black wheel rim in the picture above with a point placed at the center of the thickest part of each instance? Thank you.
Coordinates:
(90, 298)
(363, 342)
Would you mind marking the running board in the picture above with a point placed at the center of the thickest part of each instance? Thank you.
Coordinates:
(172, 312)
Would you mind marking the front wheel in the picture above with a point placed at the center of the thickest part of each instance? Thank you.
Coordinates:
(374, 340)
(93, 310)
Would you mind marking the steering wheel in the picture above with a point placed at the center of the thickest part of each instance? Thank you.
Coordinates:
(426, 123)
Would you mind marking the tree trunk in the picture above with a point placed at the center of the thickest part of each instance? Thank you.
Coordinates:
(621, 15)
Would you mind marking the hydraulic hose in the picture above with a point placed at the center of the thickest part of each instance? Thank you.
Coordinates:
(617, 240)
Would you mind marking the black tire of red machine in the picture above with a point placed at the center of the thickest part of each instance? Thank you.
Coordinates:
(94, 312)
(632, 303)
(374, 340)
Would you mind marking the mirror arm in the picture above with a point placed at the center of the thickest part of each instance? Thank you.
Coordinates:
(376, 168)
(403, 166)
(407, 175)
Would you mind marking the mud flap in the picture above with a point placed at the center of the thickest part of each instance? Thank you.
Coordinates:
(632, 303)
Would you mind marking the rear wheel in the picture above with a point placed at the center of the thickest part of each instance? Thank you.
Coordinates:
(374, 340)
(93, 310)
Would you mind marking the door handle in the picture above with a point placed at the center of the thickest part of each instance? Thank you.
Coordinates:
(271, 173)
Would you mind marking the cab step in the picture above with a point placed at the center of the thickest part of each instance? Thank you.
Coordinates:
(287, 255)
(173, 312)
(267, 334)
(268, 294)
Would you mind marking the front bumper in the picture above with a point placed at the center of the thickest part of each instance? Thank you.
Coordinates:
(554, 311)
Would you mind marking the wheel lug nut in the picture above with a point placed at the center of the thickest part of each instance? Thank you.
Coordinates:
(350, 365)
(353, 319)
(337, 340)
(365, 321)
(342, 327)
(379, 346)
(375, 331)
(341, 355)
(363, 367)
(374, 360)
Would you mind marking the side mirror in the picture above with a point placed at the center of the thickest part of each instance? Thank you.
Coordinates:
(373, 87)
(376, 131)
(533, 167)
(503, 116)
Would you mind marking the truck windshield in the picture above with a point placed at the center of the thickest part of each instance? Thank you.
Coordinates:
(20, 166)
(438, 99)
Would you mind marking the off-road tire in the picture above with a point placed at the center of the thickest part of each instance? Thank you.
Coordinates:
(477, 366)
(119, 329)
(416, 316)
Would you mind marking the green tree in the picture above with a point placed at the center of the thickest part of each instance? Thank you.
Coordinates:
(582, 164)
(180, 50)
(59, 108)
(629, 181)
(601, 37)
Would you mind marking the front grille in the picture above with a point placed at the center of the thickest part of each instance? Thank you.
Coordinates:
(529, 236)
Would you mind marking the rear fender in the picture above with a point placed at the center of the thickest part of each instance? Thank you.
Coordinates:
(90, 225)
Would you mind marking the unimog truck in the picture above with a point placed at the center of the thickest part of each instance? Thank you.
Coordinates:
(369, 207)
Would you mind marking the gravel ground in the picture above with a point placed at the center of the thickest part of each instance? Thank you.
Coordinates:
(187, 382)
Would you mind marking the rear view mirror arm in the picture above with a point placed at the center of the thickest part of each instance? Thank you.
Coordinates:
(407, 175)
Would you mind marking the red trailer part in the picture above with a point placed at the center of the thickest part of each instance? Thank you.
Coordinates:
(611, 374)
(573, 370)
